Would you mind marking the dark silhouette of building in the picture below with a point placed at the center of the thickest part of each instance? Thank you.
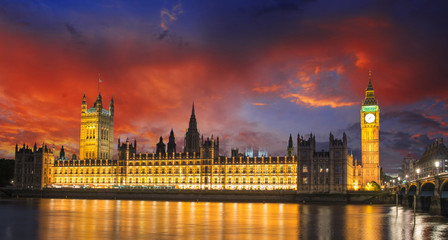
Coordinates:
(192, 136)
(31, 168)
(290, 149)
(321, 171)
(171, 144)
(210, 148)
(126, 150)
(62, 153)
(160, 147)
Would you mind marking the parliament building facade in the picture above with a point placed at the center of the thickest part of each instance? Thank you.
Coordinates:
(199, 166)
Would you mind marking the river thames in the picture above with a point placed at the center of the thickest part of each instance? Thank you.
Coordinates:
(121, 219)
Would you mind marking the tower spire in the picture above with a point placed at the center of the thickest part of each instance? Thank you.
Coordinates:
(370, 87)
(193, 123)
(370, 93)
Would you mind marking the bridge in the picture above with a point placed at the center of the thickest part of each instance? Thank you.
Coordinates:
(6, 191)
(430, 193)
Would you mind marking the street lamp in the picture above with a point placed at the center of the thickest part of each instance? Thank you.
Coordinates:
(437, 163)
(418, 173)
(398, 180)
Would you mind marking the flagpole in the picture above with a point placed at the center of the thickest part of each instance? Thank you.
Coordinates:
(99, 83)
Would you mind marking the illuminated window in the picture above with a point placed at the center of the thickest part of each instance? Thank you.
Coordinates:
(305, 180)
(305, 168)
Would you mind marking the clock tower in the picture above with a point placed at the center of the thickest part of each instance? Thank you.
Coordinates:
(370, 127)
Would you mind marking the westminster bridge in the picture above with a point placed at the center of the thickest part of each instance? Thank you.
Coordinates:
(430, 194)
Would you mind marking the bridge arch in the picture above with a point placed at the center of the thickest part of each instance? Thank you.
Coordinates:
(426, 194)
(401, 193)
(412, 191)
(444, 198)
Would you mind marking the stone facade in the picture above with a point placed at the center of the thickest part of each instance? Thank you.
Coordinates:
(32, 166)
(321, 172)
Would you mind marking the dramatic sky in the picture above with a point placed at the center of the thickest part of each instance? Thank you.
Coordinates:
(256, 71)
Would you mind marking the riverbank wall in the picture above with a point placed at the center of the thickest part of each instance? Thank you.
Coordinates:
(209, 196)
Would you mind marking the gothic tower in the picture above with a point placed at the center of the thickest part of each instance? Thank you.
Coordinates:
(160, 147)
(171, 144)
(370, 127)
(290, 147)
(97, 130)
(192, 136)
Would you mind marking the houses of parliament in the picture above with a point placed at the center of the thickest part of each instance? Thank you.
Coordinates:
(199, 165)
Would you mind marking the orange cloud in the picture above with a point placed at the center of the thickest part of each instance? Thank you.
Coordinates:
(266, 89)
(260, 104)
(313, 102)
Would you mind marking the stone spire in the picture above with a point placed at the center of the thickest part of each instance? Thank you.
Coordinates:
(290, 149)
(290, 144)
(192, 135)
(193, 123)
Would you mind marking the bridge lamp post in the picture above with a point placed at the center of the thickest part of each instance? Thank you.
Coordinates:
(437, 164)
(398, 180)
(418, 173)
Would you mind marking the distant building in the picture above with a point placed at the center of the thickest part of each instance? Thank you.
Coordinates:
(408, 168)
(435, 153)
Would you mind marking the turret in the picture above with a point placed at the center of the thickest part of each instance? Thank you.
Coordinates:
(111, 106)
(62, 153)
(344, 139)
(171, 144)
(290, 149)
(99, 103)
(160, 147)
(84, 104)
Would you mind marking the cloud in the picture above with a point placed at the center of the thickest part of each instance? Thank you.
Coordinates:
(75, 34)
(266, 89)
(168, 16)
(261, 104)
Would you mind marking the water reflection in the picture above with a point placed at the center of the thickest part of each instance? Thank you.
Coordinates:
(117, 219)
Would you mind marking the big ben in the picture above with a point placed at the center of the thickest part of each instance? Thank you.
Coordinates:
(370, 127)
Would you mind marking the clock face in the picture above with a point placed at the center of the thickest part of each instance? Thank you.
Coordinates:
(370, 118)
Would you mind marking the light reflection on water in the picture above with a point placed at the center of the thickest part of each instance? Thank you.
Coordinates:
(118, 219)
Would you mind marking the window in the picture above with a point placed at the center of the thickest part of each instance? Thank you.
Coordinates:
(305, 180)
(305, 168)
